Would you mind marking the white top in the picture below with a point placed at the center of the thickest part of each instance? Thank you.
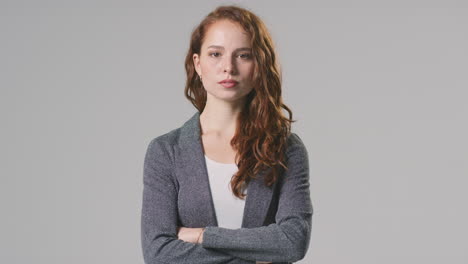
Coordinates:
(229, 209)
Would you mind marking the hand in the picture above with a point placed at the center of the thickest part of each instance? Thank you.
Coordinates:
(191, 235)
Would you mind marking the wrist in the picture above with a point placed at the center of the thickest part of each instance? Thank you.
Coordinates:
(200, 236)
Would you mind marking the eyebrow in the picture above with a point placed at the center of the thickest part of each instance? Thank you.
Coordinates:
(221, 47)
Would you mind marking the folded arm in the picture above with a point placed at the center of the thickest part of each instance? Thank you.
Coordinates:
(159, 217)
(288, 239)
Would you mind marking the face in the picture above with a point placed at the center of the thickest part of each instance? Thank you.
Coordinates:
(225, 54)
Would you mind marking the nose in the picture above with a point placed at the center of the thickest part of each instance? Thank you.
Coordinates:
(229, 65)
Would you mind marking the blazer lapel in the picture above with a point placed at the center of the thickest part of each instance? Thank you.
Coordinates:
(193, 165)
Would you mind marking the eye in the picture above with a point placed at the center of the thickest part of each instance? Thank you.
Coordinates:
(245, 56)
(211, 54)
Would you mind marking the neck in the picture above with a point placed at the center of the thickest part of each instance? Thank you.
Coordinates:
(219, 120)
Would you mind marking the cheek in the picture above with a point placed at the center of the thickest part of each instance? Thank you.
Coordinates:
(210, 67)
(248, 69)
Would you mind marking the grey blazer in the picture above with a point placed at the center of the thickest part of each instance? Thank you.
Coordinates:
(276, 223)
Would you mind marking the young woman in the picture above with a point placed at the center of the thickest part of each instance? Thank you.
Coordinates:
(231, 185)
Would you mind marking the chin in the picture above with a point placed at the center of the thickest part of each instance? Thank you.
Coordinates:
(225, 98)
(229, 96)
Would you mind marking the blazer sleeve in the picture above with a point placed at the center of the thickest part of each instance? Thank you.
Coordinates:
(159, 239)
(288, 239)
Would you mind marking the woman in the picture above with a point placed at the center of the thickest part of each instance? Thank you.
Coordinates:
(231, 185)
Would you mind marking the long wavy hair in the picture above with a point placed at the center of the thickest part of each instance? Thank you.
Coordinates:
(262, 129)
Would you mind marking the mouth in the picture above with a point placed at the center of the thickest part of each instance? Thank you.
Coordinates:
(228, 83)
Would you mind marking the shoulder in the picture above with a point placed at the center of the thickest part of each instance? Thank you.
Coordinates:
(179, 136)
(296, 152)
(163, 145)
(295, 144)
(167, 139)
(294, 139)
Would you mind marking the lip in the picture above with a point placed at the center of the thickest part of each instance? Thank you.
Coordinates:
(228, 83)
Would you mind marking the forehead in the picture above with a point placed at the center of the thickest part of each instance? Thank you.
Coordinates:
(226, 33)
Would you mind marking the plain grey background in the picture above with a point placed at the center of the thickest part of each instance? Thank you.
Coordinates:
(379, 89)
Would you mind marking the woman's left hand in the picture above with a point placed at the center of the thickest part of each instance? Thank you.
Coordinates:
(191, 235)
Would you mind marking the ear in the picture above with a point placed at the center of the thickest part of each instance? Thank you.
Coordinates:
(196, 63)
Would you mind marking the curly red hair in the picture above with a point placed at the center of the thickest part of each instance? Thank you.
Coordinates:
(262, 128)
